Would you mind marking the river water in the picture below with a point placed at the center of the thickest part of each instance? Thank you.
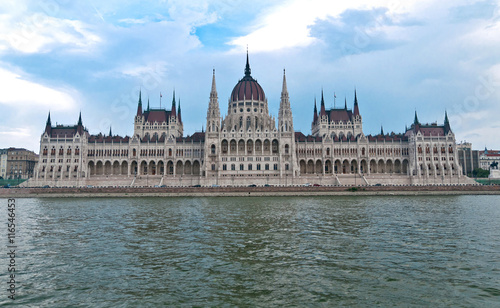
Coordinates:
(256, 252)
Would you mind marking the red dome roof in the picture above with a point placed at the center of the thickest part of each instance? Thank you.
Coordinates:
(248, 88)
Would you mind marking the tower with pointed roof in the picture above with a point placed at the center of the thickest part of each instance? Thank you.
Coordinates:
(157, 123)
(338, 122)
(212, 133)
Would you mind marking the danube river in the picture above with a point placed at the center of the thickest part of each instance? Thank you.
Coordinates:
(256, 251)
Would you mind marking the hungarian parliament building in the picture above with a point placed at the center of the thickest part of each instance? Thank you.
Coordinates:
(248, 147)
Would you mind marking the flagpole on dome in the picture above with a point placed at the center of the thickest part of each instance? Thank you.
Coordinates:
(160, 100)
(334, 100)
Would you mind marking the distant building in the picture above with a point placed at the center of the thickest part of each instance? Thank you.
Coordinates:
(487, 157)
(467, 157)
(248, 146)
(20, 163)
(3, 163)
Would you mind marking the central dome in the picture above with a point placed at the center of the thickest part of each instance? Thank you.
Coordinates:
(248, 88)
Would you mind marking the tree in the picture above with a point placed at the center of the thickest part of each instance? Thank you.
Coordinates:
(480, 173)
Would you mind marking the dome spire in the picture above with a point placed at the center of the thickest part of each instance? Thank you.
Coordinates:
(247, 67)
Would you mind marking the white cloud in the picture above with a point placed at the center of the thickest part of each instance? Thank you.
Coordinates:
(17, 91)
(23, 137)
(288, 25)
(38, 32)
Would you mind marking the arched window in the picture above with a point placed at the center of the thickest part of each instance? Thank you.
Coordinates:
(249, 122)
(212, 149)
(241, 122)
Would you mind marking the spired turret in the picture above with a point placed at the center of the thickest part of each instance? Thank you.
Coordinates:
(285, 119)
(213, 112)
(157, 122)
(338, 122)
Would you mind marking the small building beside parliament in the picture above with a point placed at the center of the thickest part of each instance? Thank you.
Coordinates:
(248, 146)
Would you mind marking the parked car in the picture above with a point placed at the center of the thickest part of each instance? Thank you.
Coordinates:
(252, 185)
(307, 184)
(316, 185)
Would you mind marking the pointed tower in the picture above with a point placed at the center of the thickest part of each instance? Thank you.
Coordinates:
(212, 142)
(148, 104)
(382, 130)
(173, 106)
(415, 121)
(110, 133)
(213, 112)
(179, 112)
(79, 125)
(345, 104)
(139, 118)
(322, 111)
(315, 116)
(285, 119)
(139, 105)
(48, 125)
(287, 134)
(447, 127)
(356, 108)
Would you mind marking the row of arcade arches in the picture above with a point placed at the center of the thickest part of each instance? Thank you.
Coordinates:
(144, 167)
(353, 166)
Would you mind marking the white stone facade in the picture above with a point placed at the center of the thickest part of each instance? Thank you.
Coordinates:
(246, 147)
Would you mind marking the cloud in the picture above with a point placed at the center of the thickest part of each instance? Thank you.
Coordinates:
(41, 33)
(17, 91)
(289, 24)
(21, 136)
(30, 31)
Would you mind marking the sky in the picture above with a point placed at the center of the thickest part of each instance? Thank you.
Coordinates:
(93, 57)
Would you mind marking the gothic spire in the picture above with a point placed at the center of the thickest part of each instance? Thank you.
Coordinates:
(322, 111)
(213, 92)
(148, 103)
(284, 89)
(447, 127)
(415, 121)
(179, 111)
(315, 117)
(110, 133)
(356, 108)
(139, 105)
(173, 105)
(79, 119)
(381, 130)
(345, 103)
(247, 67)
(49, 123)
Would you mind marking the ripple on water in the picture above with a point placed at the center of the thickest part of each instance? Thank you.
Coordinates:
(322, 251)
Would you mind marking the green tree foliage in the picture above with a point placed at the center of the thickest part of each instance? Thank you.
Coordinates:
(480, 173)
